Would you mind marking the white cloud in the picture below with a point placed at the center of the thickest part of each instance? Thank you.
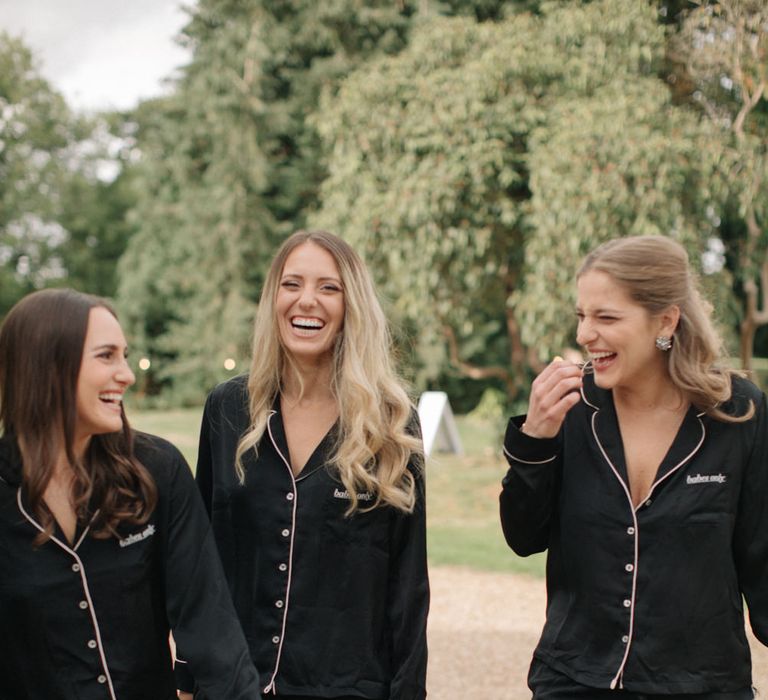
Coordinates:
(101, 53)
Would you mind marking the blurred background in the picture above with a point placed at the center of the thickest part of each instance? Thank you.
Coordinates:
(472, 150)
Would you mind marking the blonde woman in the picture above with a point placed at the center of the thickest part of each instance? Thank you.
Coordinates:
(311, 470)
(646, 479)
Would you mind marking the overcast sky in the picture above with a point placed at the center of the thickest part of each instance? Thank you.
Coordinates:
(101, 54)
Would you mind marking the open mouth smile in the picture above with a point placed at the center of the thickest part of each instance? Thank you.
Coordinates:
(307, 326)
(601, 360)
(114, 399)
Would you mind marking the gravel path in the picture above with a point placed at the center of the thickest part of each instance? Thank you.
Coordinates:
(483, 628)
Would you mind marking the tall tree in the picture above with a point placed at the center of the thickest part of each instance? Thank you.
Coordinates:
(444, 171)
(229, 165)
(36, 139)
(724, 47)
(61, 220)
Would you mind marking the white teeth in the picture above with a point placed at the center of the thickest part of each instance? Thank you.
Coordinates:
(600, 355)
(307, 322)
(117, 398)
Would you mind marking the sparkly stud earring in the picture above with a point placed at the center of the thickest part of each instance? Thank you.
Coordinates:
(664, 343)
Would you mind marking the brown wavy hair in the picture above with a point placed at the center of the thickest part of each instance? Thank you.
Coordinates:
(41, 349)
(656, 273)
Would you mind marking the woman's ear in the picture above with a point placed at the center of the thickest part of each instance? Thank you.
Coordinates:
(669, 318)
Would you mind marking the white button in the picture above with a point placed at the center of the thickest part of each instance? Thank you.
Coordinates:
(286, 532)
(648, 502)
(278, 603)
(627, 603)
(275, 640)
(630, 530)
(83, 605)
(75, 567)
(102, 678)
(289, 496)
(91, 643)
(629, 568)
(283, 567)
(625, 639)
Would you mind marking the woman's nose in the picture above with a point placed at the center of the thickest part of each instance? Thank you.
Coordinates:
(125, 374)
(307, 298)
(585, 333)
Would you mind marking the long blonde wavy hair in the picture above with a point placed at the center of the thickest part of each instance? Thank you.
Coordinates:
(656, 273)
(375, 439)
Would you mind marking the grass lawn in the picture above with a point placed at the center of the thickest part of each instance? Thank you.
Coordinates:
(462, 492)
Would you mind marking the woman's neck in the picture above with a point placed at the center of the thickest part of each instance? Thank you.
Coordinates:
(660, 395)
(63, 470)
(309, 384)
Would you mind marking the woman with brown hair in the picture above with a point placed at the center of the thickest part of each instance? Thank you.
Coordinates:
(105, 545)
(644, 473)
(311, 469)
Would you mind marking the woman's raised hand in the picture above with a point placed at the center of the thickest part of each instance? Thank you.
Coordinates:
(553, 393)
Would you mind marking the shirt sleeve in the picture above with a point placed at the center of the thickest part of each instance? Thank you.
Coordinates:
(529, 489)
(751, 532)
(209, 639)
(409, 599)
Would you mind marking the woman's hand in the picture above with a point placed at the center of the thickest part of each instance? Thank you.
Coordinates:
(553, 393)
(184, 696)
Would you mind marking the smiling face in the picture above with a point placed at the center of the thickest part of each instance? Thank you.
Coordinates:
(104, 376)
(619, 334)
(310, 303)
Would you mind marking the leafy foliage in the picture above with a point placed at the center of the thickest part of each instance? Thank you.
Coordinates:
(59, 222)
(723, 46)
(228, 167)
(475, 168)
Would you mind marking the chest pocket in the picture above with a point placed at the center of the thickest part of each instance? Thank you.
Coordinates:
(361, 529)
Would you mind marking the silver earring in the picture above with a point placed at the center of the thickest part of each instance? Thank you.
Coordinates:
(664, 343)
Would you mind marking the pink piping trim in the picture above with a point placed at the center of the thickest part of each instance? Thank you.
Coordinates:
(85, 588)
(271, 686)
(617, 678)
(525, 461)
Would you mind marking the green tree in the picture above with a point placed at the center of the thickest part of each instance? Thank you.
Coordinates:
(61, 222)
(724, 48)
(228, 166)
(474, 169)
(35, 142)
(623, 161)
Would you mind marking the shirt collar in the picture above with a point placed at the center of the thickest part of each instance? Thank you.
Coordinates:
(606, 427)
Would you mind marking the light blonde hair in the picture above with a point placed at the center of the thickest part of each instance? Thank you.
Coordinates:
(376, 417)
(656, 273)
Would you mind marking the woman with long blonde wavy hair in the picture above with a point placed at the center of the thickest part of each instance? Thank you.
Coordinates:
(312, 470)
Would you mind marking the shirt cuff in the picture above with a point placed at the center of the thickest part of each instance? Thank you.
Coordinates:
(526, 449)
